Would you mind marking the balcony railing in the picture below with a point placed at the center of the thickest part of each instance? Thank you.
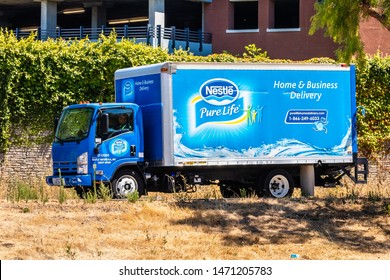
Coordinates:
(148, 33)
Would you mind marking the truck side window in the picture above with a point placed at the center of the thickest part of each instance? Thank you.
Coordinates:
(120, 121)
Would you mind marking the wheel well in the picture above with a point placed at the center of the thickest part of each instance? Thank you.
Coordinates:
(133, 167)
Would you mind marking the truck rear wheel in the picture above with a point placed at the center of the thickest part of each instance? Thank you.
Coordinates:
(127, 182)
(278, 184)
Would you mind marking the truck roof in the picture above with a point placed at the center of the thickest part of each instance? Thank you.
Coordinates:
(101, 105)
(170, 67)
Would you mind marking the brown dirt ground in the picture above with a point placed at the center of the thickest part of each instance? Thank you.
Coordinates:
(159, 227)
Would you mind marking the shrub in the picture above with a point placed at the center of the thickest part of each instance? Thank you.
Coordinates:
(373, 94)
(38, 79)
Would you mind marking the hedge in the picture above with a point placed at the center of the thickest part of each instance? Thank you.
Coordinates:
(39, 78)
(373, 94)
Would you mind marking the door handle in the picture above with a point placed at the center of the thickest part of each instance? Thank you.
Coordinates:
(132, 150)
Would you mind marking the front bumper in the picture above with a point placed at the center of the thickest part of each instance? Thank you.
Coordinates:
(70, 180)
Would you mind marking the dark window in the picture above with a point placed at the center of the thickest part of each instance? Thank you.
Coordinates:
(183, 14)
(120, 121)
(245, 15)
(286, 14)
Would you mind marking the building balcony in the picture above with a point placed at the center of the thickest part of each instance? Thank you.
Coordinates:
(170, 38)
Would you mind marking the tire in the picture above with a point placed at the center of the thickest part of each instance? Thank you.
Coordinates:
(126, 182)
(278, 184)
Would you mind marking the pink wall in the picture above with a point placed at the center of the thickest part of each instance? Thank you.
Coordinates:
(296, 45)
(375, 37)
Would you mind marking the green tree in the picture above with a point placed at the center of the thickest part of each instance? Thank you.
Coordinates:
(340, 21)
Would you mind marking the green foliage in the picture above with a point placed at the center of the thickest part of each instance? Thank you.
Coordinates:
(91, 197)
(321, 60)
(62, 197)
(38, 79)
(181, 55)
(340, 21)
(223, 57)
(387, 208)
(255, 54)
(18, 191)
(104, 192)
(132, 197)
(373, 94)
(69, 251)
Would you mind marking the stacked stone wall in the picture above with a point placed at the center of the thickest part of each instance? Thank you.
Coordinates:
(20, 163)
(380, 171)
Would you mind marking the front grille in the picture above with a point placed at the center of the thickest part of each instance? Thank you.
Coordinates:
(66, 167)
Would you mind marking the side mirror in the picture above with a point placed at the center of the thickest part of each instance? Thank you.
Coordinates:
(104, 121)
(56, 121)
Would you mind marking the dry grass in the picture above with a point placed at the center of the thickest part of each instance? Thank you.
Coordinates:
(340, 223)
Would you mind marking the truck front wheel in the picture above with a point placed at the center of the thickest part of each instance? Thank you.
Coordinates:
(127, 182)
(278, 184)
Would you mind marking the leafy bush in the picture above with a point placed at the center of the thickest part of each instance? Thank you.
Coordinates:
(252, 53)
(38, 79)
(18, 191)
(373, 94)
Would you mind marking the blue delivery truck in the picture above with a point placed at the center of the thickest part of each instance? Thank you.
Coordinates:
(261, 128)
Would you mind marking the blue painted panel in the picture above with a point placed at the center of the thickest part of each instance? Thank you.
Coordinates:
(263, 113)
(145, 91)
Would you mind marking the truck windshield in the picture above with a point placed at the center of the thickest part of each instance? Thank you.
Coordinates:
(74, 125)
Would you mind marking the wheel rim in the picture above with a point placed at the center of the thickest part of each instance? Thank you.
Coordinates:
(126, 185)
(279, 186)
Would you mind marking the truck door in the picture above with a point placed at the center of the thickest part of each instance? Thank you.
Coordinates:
(119, 144)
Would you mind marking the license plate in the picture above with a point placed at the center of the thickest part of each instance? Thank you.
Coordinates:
(58, 181)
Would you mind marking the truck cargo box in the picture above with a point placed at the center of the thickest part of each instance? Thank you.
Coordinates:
(239, 114)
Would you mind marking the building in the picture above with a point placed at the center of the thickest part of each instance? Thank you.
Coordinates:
(134, 18)
(279, 27)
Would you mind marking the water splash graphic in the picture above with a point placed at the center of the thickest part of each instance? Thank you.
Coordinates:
(282, 148)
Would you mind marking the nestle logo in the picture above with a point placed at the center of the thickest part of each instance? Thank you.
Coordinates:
(219, 91)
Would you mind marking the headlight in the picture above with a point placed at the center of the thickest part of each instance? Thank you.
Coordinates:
(82, 159)
(82, 169)
(82, 163)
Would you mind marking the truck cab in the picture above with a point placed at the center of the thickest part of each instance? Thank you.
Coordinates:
(99, 143)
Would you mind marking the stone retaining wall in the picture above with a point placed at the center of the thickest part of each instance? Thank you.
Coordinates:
(35, 162)
(380, 171)
(26, 162)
